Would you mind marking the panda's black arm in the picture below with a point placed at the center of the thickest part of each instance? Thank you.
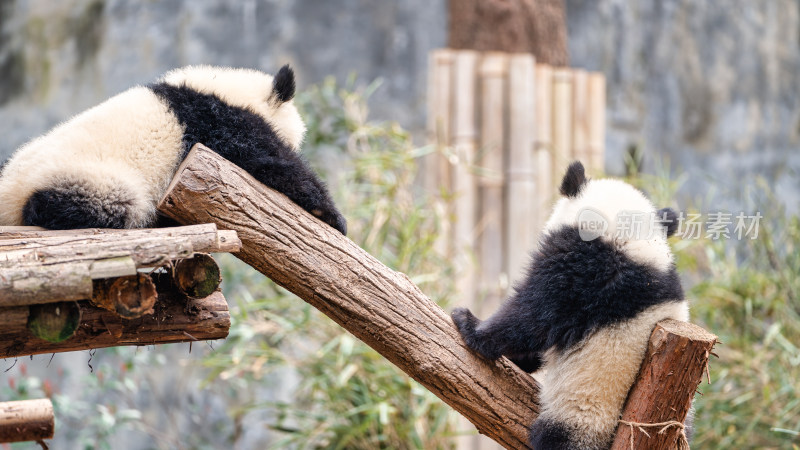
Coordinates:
(292, 176)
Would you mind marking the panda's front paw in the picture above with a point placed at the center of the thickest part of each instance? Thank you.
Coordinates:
(465, 321)
(333, 218)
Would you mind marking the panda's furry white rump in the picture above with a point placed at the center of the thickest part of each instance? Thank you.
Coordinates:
(108, 166)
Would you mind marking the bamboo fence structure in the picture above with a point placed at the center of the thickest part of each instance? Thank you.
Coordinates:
(505, 129)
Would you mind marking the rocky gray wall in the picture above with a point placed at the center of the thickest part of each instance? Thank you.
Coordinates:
(58, 58)
(712, 86)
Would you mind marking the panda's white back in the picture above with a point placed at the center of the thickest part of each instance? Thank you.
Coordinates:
(132, 136)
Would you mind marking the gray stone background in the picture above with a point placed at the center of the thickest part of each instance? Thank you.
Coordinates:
(711, 89)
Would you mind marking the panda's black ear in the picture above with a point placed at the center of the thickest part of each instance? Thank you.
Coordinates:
(283, 84)
(574, 180)
(668, 218)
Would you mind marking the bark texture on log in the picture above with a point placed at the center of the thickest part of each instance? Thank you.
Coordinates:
(381, 307)
(26, 420)
(676, 359)
(517, 26)
(175, 319)
(201, 235)
(52, 266)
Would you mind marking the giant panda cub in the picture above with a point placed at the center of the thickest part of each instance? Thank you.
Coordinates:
(109, 166)
(593, 293)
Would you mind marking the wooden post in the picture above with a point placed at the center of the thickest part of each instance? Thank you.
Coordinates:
(521, 205)
(381, 307)
(544, 142)
(580, 116)
(26, 420)
(597, 123)
(493, 70)
(562, 123)
(674, 365)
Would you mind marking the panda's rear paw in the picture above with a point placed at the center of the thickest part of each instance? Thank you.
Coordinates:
(75, 205)
(550, 434)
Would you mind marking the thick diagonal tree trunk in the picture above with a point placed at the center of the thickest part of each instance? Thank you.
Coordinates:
(388, 312)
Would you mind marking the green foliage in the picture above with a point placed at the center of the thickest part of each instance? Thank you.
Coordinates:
(746, 292)
(348, 395)
(749, 298)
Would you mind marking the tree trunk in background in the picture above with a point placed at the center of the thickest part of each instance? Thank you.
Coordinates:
(527, 26)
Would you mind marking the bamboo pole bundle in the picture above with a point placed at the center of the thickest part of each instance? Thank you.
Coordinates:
(543, 143)
(562, 122)
(464, 134)
(580, 116)
(493, 78)
(521, 216)
(597, 123)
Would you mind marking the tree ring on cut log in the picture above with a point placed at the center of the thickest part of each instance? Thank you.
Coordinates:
(130, 297)
(197, 277)
(54, 322)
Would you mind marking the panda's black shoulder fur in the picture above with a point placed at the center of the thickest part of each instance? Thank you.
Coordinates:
(574, 287)
(243, 137)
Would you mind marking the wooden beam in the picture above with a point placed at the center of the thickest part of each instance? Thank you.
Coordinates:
(674, 365)
(26, 420)
(53, 266)
(381, 307)
(176, 318)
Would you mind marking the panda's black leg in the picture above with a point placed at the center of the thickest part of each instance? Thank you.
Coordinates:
(75, 205)
(528, 362)
(548, 434)
(491, 338)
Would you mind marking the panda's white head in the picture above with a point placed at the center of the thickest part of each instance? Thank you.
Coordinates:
(270, 97)
(617, 213)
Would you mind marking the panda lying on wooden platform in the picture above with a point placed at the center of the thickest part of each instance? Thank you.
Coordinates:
(109, 166)
(593, 293)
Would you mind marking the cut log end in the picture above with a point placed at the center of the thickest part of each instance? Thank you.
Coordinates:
(54, 322)
(130, 297)
(672, 369)
(197, 277)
